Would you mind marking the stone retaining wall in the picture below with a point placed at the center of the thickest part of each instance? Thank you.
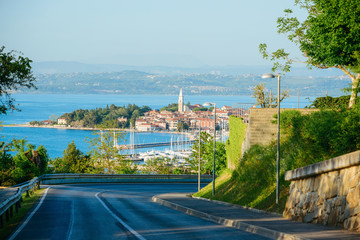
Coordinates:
(262, 129)
(326, 193)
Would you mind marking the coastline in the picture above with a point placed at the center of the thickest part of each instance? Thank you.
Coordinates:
(86, 128)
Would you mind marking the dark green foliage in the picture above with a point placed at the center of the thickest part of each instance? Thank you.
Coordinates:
(332, 36)
(202, 109)
(73, 161)
(182, 126)
(173, 107)
(319, 136)
(26, 162)
(105, 116)
(330, 102)
(235, 140)
(15, 72)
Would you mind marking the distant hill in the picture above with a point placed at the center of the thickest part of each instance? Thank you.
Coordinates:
(143, 82)
(78, 67)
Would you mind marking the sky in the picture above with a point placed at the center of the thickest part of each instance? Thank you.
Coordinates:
(186, 33)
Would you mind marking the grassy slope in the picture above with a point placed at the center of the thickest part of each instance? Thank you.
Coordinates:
(229, 189)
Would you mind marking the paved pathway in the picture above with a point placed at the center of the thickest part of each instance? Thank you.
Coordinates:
(268, 225)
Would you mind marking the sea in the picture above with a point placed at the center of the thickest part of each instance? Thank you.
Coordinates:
(41, 106)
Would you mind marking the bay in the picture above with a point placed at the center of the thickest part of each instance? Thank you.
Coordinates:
(55, 140)
(40, 106)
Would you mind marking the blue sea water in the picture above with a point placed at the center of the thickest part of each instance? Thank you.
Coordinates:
(40, 106)
(56, 140)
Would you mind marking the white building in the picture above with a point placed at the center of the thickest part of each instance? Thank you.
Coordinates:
(61, 121)
(181, 102)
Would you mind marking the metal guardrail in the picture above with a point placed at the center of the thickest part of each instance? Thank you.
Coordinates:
(242, 110)
(7, 206)
(120, 178)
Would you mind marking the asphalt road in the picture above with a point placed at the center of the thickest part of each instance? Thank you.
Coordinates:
(118, 211)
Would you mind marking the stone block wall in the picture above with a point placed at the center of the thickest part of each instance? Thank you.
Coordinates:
(261, 129)
(326, 193)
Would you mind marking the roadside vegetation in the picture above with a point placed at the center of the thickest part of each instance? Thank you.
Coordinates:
(21, 161)
(306, 139)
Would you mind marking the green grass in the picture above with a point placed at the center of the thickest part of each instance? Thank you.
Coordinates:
(229, 189)
(26, 205)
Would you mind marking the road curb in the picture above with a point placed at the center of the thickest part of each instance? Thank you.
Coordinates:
(265, 232)
(238, 206)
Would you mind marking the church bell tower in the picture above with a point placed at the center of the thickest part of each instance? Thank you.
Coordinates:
(181, 102)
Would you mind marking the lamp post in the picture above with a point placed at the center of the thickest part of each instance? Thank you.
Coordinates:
(213, 178)
(269, 75)
(199, 170)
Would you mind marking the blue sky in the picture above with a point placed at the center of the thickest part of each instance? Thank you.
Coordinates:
(143, 32)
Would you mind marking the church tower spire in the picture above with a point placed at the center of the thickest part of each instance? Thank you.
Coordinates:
(181, 102)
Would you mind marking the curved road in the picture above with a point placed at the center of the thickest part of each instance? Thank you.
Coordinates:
(118, 211)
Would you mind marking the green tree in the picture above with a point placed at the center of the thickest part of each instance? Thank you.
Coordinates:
(28, 162)
(173, 107)
(135, 114)
(162, 166)
(182, 126)
(207, 155)
(7, 165)
(266, 99)
(73, 161)
(15, 72)
(104, 154)
(200, 109)
(328, 38)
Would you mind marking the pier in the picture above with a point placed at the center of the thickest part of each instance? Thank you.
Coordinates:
(151, 145)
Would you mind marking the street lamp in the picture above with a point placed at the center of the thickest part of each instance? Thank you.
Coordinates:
(270, 75)
(213, 178)
(199, 167)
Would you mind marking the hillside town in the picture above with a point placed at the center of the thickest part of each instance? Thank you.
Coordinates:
(185, 117)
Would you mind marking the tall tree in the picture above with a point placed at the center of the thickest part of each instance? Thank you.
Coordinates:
(73, 161)
(28, 162)
(15, 72)
(105, 155)
(207, 155)
(328, 38)
(266, 99)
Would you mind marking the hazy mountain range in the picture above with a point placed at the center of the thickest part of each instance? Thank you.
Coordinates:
(72, 67)
(81, 78)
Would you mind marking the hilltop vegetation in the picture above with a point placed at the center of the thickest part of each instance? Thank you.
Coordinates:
(105, 116)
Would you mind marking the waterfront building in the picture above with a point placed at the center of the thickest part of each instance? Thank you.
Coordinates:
(61, 121)
(122, 119)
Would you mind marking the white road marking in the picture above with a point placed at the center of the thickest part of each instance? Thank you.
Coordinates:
(118, 219)
(13, 236)
(71, 224)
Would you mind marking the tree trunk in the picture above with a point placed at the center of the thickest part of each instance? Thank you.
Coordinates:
(354, 90)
